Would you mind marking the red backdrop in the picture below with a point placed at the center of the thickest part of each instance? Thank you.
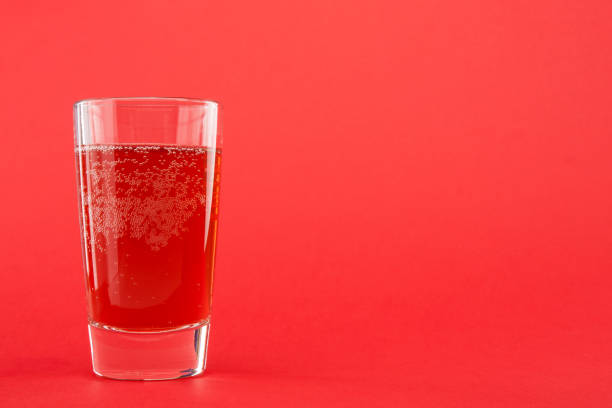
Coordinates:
(416, 200)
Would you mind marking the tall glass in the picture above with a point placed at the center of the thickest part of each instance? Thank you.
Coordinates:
(148, 183)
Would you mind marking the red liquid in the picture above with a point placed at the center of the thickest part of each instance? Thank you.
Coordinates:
(149, 219)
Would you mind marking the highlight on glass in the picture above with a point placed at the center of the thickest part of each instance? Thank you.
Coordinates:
(148, 173)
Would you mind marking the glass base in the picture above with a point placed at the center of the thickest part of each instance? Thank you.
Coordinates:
(149, 356)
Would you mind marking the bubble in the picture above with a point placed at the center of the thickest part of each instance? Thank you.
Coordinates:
(142, 192)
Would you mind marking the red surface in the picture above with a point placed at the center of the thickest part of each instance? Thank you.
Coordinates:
(416, 198)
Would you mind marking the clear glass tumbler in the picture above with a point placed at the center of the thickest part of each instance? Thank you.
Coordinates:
(148, 173)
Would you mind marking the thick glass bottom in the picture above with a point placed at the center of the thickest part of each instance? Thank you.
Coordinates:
(166, 355)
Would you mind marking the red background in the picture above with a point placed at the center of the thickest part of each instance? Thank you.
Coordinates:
(416, 200)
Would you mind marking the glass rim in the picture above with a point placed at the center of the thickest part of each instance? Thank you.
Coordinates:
(175, 99)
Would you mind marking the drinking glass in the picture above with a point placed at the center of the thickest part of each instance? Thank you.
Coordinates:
(148, 173)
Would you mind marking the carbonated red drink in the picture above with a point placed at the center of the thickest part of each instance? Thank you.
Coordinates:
(149, 216)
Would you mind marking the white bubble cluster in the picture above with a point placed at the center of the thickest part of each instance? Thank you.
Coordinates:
(144, 192)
